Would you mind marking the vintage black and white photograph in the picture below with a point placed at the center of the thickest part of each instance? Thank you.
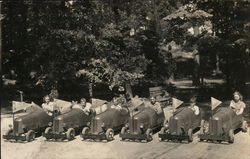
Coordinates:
(125, 79)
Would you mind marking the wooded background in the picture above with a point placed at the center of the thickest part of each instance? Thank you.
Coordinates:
(92, 47)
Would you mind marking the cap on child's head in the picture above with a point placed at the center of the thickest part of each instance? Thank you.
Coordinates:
(193, 99)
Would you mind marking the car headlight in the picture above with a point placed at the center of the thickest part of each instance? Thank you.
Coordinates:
(10, 126)
(141, 126)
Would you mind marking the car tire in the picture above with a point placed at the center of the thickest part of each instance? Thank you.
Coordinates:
(109, 134)
(231, 136)
(202, 127)
(190, 135)
(244, 126)
(85, 130)
(70, 134)
(149, 134)
(123, 131)
(30, 136)
(48, 130)
(163, 130)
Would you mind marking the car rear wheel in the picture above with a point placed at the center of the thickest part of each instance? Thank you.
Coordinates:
(244, 126)
(70, 134)
(30, 136)
(231, 136)
(149, 134)
(110, 134)
(190, 135)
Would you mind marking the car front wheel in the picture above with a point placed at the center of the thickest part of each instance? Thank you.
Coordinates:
(70, 134)
(110, 134)
(30, 136)
(85, 130)
(48, 130)
(190, 135)
(149, 134)
(244, 126)
(231, 136)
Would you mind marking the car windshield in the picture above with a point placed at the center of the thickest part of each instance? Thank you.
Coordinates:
(62, 105)
(101, 108)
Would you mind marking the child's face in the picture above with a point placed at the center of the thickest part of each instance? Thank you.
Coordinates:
(153, 100)
(47, 99)
(83, 102)
(236, 97)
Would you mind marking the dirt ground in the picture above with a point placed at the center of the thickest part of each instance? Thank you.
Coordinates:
(116, 149)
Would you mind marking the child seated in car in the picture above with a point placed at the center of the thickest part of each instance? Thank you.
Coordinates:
(48, 105)
(237, 104)
(193, 106)
(85, 106)
(156, 105)
(116, 104)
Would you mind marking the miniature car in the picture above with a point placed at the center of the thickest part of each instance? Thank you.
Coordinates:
(181, 125)
(25, 127)
(66, 125)
(35, 121)
(142, 124)
(107, 121)
(221, 126)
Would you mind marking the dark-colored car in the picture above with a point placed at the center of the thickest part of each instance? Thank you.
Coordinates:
(181, 125)
(108, 120)
(221, 126)
(142, 124)
(66, 125)
(27, 126)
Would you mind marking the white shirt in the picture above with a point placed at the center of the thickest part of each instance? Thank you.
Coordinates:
(85, 109)
(238, 107)
(157, 107)
(195, 109)
(49, 107)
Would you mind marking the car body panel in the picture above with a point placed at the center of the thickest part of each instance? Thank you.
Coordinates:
(223, 120)
(180, 123)
(36, 120)
(75, 118)
(141, 120)
(111, 118)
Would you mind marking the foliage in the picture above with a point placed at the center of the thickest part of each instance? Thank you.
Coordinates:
(118, 42)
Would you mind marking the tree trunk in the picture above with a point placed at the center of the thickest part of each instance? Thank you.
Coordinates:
(1, 18)
(90, 89)
(129, 91)
(217, 64)
(196, 73)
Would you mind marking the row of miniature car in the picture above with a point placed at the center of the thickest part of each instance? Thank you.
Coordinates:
(131, 122)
